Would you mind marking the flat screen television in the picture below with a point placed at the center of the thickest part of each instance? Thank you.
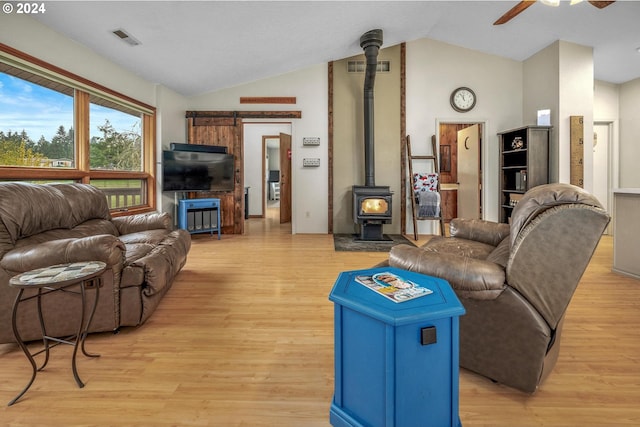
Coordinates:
(196, 171)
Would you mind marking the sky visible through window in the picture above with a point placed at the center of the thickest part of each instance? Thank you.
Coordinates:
(41, 111)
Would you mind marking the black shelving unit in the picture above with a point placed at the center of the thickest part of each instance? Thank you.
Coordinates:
(524, 164)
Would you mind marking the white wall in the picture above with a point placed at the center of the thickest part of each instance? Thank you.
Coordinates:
(606, 109)
(171, 127)
(309, 185)
(629, 134)
(576, 99)
(434, 70)
(170, 117)
(273, 155)
(606, 101)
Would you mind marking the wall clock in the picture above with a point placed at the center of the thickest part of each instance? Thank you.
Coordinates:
(463, 99)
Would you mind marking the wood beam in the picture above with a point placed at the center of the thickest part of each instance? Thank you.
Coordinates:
(246, 114)
(267, 100)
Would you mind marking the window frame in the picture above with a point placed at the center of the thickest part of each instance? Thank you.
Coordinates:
(81, 172)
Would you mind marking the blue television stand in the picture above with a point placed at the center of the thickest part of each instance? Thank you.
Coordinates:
(396, 364)
(199, 215)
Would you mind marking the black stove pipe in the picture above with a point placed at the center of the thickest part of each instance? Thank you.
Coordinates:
(370, 42)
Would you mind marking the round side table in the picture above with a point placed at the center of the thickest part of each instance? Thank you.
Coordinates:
(57, 278)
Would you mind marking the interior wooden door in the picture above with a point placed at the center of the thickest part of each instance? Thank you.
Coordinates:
(226, 132)
(285, 178)
(469, 172)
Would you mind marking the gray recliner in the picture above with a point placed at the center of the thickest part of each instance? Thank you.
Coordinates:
(514, 280)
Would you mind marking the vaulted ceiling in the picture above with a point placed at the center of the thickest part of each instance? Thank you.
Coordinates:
(194, 47)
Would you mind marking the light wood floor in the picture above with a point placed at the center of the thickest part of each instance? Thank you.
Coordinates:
(245, 338)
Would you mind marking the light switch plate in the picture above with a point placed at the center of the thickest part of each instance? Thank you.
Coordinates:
(311, 140)
(310, 162)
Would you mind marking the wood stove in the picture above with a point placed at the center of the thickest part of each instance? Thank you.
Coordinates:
(371, 209)
(371, 203)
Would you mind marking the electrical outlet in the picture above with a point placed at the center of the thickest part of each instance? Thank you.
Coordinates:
(310, 162)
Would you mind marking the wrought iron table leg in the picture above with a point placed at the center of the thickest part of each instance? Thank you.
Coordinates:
(78, 336)
(95, 284)
(84, 328)
(23, 347)
(45, 338)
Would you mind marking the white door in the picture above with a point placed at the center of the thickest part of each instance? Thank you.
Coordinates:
(469, 172)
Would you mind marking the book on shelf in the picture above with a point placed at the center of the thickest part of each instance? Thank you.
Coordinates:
(393, 287)
(521, 180)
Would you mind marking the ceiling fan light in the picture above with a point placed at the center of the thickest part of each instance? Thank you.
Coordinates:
(553, 3)
(572, 2)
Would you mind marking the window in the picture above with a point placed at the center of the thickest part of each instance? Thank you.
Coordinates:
(36, 121)
(115, 136)
(58, 127)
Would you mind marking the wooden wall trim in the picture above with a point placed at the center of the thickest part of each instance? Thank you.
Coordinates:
(245, 114)
(214, 121)
(403, 138)
(330, 148)
(267, 100)
(83, 132)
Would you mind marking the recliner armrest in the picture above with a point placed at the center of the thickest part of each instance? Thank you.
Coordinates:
(489, 232)
(103, 247)
(469, 277)
(142, 222)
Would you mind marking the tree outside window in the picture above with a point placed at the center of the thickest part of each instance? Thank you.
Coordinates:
(35, 122)
(116, 137)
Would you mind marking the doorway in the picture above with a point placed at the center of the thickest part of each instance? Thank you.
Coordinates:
(267, 153)
(276, 173)
(271, 177)
(460, 146)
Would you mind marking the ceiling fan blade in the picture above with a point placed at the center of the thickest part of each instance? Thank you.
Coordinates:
(515, 11)
(601, 4)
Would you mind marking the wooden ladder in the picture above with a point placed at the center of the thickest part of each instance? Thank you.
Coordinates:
(436, 168)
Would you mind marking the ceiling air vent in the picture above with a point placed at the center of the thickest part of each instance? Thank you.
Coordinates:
(126, 37)
(361, 66)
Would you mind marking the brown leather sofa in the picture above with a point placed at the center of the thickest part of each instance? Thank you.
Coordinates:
(515, 281)
(42, 225)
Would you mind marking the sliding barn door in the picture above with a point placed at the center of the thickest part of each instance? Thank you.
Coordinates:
(226, 132)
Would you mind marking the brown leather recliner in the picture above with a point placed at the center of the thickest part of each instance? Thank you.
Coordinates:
(514, 280)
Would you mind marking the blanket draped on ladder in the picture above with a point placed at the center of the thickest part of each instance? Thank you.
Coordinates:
(425, 188)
